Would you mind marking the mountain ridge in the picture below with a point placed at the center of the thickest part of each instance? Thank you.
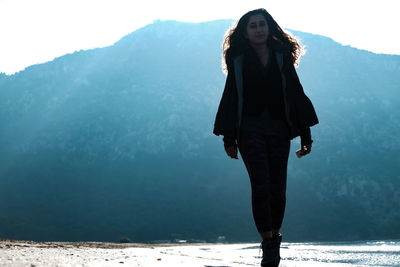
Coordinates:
(229, 22)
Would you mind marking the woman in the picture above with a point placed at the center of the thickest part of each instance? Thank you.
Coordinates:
(263, 107)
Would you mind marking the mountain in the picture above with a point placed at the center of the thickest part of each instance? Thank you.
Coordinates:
(117, 142)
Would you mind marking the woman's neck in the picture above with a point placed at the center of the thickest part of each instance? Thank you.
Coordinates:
(262, 52)
(260, 49)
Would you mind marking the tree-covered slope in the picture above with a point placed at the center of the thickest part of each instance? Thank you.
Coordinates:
(117, 141)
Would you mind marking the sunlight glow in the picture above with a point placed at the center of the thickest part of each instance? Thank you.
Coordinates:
(37, 31)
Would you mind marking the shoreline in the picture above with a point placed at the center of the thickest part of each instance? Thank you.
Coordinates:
(321, 254)
(33, 253)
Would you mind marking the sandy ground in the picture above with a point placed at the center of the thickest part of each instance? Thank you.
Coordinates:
(28, 253)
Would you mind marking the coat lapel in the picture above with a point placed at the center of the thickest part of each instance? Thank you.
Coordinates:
(238, 67)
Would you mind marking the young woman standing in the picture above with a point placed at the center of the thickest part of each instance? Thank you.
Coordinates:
(263, 107)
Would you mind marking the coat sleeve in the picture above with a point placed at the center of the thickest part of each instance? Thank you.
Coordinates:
(305, 115)
(226, 118)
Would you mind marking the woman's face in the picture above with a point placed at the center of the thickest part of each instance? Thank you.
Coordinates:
(257, 30)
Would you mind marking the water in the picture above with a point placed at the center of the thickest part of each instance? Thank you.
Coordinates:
(363, 253)
(315, 254)
(321, 254)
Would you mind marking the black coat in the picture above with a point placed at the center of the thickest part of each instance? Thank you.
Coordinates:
(299, 111)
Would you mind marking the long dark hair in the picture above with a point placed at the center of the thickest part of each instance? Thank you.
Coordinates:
(235, 43)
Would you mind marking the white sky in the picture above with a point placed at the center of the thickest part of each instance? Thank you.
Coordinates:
(36, 31)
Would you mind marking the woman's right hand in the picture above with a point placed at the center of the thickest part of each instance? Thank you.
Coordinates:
(231, 151)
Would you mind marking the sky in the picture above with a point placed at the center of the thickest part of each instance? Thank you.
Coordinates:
(33, 32)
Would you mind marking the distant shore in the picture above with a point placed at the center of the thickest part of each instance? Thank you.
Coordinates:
(4, 243)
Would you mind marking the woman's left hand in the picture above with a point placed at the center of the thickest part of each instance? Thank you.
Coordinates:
(306, 149)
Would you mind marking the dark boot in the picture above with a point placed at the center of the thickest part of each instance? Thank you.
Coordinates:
(278, 238)
(270, 247)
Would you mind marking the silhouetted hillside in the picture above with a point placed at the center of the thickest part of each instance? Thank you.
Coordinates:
(117, 141)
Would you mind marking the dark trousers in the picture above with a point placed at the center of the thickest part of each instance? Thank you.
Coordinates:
(266, 158)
